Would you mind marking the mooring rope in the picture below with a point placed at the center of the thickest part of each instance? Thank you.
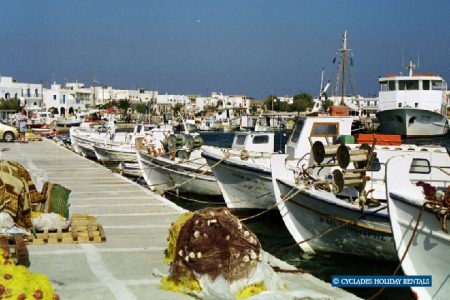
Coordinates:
(199, 174)
(287, 198)
(443, 171)
(176, 164)
(329, 230)
(195, 200)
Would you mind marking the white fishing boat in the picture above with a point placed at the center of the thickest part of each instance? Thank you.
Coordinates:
(42, 131)
(68, 122)
(243, 172)
(126, 152)
(429, 251)
(348, 202)
(39, 119)
(84, 137)
(177, 167)
(413, 105)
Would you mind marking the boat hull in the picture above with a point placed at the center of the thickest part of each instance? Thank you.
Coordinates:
(86, 150)
(428, 253)
(242, 186)
(67, 123)
(429, 250)
(130, 169)
(163, 174)
(42, 131)
(309, 215)
(412, 122)
(112, 154)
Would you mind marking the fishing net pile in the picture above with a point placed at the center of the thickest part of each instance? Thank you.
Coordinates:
(214, 256)
(16, 282)
(18, 197)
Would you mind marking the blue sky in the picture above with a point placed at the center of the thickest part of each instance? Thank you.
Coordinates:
(249, 47)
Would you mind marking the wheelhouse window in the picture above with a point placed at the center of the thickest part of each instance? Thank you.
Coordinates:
(420, 166)
(426, 85)
(391, 85)
(408, 85)
(325, 129)
(240, 139)
(375, 166)
(412, 84)
(261, 139)
(383, 86)
(297, 130)
(437, 85)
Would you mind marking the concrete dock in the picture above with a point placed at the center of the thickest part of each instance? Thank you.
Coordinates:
(136, 223)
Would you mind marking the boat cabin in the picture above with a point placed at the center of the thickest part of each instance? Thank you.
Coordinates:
(311, 129)
(420, 91)
(254, 141)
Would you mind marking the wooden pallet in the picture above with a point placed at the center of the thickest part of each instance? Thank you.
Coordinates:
(83, 229)
(34, 137)
(16, 247)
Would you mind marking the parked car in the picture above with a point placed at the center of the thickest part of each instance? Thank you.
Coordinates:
(8, 133)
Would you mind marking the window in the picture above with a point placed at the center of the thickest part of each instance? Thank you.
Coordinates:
(261, 139)
(399, 105)
(297, 130)
(416, 104)
(28, 92)
(426, 85)
(392, 85)
(408, 85)
(437, 85)
(383, 86)
(54, 97)
(325, 129)
(420, 166)
(36, 92)
(240, 139)
(375, 166)
(412, 84)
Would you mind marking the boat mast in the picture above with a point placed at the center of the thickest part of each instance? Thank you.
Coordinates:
(411, 67)
(321, 82)
(344, 61)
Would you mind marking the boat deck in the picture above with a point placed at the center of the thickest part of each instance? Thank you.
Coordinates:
(136, 223)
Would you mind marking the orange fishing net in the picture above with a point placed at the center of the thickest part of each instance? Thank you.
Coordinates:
(215, 242)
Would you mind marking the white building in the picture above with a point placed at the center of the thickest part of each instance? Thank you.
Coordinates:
(165, 102)
(30, 93)
(67, 100)
(289, 100)
(223, 102)
(105, 94)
